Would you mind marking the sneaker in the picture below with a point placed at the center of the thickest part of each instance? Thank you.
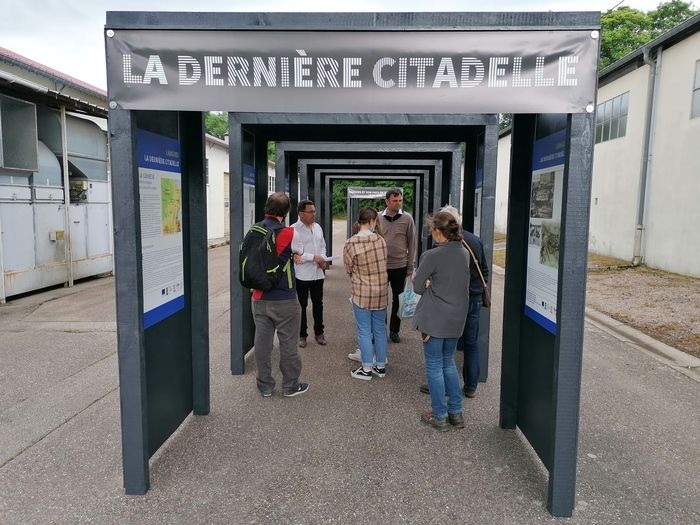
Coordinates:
(468, 392)
(302, 342)
(356, 356)
(266, 394)
(456, 420)
(394, 336)
(440, 424)
(320, 339)
(379, 372)
(301, 389)
(424, 388)
(361, 374)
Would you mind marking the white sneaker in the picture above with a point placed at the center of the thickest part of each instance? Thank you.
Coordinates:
(355, 356)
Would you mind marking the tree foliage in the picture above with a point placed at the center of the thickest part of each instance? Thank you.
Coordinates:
(505, 120)
(216, 124)
(626, 29)
(668, 15)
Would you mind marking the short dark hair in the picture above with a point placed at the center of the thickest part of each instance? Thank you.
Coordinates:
(277, 204)
(303, 204)
(393, 191)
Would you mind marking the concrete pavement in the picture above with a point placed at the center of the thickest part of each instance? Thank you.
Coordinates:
(346, 452)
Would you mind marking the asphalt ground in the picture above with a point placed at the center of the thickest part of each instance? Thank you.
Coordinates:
(348, 451)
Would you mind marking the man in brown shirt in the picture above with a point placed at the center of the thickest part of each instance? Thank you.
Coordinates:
(399, 232)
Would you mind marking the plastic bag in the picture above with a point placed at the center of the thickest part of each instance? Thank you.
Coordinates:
(408, 300)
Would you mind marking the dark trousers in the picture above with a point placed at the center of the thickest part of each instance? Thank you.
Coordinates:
(315, 288)
(397, 281)
(470, 343)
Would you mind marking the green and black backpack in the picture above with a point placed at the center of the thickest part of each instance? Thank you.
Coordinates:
(259, 264)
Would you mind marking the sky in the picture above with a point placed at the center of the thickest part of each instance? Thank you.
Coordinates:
(67, 35)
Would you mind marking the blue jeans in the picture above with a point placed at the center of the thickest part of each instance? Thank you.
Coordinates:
(442, 376)
(470, 342)
(371, 323)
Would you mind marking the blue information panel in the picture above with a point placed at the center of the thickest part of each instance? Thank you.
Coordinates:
(160, 189)
(543, 232)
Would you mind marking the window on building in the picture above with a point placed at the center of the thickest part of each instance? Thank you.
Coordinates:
(206, 171)
(611, 118)
(695, 109)
(270, 184)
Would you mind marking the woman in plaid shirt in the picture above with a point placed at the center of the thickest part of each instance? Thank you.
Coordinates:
(364, 256)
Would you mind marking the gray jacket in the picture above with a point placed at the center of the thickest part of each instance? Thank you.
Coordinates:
(443, 307)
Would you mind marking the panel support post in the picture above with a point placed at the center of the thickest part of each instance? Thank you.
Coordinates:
(238, 338)
(192, 137)
(129, 298)
(571, 311)
(523, 136)
(487, 210)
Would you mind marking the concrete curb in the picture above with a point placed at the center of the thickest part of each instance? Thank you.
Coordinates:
(686, 364)
(215, 243)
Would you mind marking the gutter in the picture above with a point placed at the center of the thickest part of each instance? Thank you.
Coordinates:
(14, 79)
(647, 148)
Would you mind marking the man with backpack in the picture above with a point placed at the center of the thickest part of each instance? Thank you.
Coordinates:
(267, 267)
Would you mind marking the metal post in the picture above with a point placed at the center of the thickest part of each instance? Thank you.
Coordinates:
(571, 313)
(129, 288)
(192, 138)
(2, 269)
(66, 195)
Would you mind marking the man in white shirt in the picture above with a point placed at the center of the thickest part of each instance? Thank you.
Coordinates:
(310, 247)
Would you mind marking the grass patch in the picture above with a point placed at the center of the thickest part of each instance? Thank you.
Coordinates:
(499, 258)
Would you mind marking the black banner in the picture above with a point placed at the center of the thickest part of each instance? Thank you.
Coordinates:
(354, 71)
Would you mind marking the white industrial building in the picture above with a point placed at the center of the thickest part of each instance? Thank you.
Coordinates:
(646, 169)
(55, 211)
(53, 136)
(218, 190)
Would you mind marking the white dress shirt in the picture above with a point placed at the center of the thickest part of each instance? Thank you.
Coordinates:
(308, 241)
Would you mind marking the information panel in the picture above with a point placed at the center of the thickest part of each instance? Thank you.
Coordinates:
(544, 228)
(160, 188)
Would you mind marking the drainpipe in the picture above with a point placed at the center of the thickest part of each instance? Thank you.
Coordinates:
(649, 129)
(66, 196)
(2, 269)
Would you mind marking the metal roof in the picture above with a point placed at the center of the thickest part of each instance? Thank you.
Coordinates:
(50, 84)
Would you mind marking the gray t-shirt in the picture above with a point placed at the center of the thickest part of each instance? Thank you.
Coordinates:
(444, 305)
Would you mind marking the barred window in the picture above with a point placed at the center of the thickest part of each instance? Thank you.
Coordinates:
(611, 118)
(695, 107)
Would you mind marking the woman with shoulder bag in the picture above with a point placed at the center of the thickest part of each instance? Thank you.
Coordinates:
(442, 279)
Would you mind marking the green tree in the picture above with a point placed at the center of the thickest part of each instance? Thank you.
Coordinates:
(626, 29)
(505, 120)
(623, 31)
(668, 15)
(216, 124)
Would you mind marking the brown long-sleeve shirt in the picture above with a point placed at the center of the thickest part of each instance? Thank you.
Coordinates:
(400, 236)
